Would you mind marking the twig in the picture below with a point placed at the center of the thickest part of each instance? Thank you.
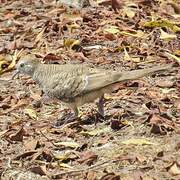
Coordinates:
(96, 166)
(49, 140)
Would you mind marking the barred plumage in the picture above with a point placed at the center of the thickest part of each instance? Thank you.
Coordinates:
(78, 84)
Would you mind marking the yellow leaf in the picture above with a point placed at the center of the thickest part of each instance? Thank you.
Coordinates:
(40, 35)
(127, 123)
(135, 59)
(72, 17)
(138, 142)
(112, 29)
(3, 66)
(73, 26)
(63, 156)
(167, 36)
(162, 23)
(64, 165)
(15, 57)
(129, 12)
(8, 62)
(69, 43)
(31, 113)
(139, 34)
(68, 144)
(174, 57)
(126, 55)
(96, 131)
(177, 52)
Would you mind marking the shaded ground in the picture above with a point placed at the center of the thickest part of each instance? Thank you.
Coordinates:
(138, 138)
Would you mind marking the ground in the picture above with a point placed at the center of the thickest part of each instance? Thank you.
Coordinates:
(139, 137)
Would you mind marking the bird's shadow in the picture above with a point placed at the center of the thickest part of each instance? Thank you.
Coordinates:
(89, 119)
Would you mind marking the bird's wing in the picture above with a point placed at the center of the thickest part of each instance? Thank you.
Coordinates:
(102, 79)
(67, 85)
(99, 80)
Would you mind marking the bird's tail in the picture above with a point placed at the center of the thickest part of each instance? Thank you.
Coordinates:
(136, 74)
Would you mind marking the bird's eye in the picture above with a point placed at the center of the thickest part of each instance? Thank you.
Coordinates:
(22, 65)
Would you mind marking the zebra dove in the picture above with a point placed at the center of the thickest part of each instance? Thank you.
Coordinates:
(75, 84)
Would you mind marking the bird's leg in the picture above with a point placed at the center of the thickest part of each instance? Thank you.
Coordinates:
(70, 117)
(76, 111)
(100, 106)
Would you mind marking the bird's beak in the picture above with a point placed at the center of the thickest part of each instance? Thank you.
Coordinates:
(16, 73)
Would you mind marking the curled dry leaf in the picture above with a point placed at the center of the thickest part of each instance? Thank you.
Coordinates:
(173, 56)
(174, 169)
(165, 36)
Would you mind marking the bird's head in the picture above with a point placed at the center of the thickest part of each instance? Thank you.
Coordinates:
(26, 65)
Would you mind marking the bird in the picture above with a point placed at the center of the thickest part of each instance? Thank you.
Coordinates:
(78, 84)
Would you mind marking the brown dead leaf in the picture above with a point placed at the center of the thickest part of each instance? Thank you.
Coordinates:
(41, 170)
(25, 154)
(91, 175)
(141, 158)
(176, 7)
(87, 157)
(165, 83)
(2, 133)
(18, 136)
(116, 4)
(50, 57)
(43, 154)
(104, 2)
(31, 144)
(177, 104)
(110, 176)
(20, 104)
(160, 124)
